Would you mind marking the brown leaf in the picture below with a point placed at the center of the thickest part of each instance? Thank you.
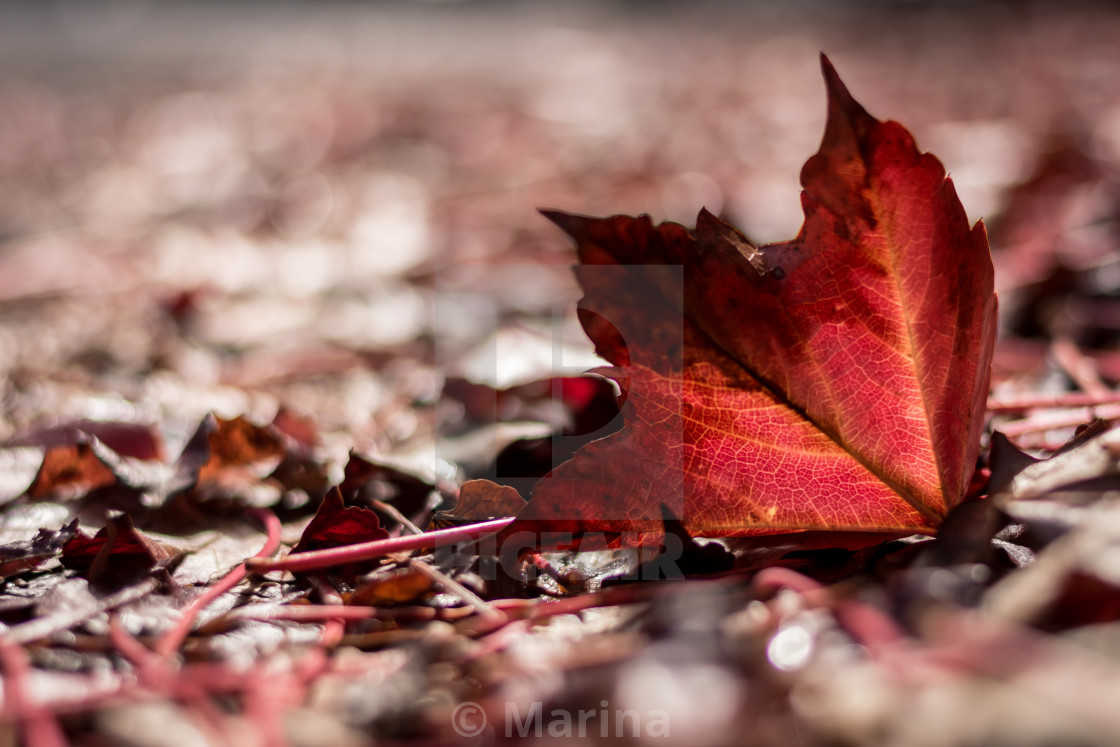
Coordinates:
(398, 586)
(238, 443)
(480, 500)
(69, 472)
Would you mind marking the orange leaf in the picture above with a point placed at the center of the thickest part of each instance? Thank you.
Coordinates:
(69, 471)
(833, 382)
(239, 444)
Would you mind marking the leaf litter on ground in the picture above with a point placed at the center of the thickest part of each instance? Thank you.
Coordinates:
(987, 630)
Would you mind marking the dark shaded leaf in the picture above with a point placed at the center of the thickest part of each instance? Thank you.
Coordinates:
(118, 552)
(480, 500)
(18, 557)
(364, 479)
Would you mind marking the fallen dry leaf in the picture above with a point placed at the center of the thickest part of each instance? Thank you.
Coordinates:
(117, 552)
(337, 525)
(25, 555)
(237, 443)
(480, 500)
(398, 586)
(833, 382)
(69, 471)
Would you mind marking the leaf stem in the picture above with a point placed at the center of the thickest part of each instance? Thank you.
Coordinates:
(173, 638)
(316, 559)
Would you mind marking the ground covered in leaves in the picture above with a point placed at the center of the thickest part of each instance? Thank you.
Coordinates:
(275, 281)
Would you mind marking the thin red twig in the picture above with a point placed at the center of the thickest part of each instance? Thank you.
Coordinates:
(40, 728)
(173, 638)
(316, 559)
(1080, 367)
(303, 612)
(451, 585)
(531, 609)
(870, 626)
(397, 516)
(154, 673)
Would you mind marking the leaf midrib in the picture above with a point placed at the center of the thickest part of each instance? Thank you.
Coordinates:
(931, 515)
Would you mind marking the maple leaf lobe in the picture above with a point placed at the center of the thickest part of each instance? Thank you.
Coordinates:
(839, 164)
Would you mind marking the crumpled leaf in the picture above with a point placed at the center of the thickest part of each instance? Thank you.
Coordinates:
(1067, 507)
(337, 525)
(1078, 474)
(408, 493)
(1053, 496)
(833, 382)
(117, 552)
(227, 460)
(26, 555)
(238, 444)
(480, 500)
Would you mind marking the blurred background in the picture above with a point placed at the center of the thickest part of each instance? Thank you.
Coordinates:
(318, 220)
(242, 206)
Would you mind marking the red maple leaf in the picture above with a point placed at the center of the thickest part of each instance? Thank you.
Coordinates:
(833, 382)
(336, 525)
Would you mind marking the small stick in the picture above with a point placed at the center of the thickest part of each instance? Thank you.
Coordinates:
(303, 612)
(400, 518)
(316, 559)
(456, 588)
(1061, 419)
(1047, 401)
(1080, 367)
(43, 627)
(173, 638)
(530, 609)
